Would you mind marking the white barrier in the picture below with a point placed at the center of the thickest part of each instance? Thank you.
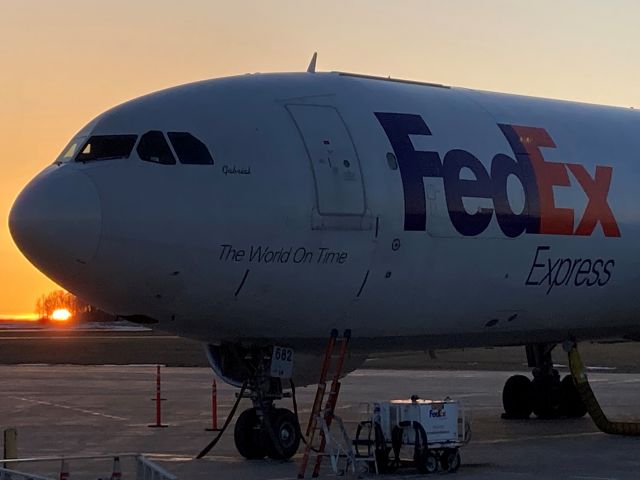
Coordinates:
(147, 470)
(6, 474)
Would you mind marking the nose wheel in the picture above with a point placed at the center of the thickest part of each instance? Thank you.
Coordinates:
(283, 434)
(276, 435)
(248, 435)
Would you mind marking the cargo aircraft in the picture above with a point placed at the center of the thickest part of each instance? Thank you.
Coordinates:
(259, 212)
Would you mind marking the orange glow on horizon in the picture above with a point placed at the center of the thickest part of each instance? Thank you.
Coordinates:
(61, 315)
(22, 317)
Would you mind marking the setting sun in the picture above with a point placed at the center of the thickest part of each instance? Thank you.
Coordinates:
(61, 315)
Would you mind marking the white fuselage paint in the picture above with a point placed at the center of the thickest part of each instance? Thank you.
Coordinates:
(281, 239)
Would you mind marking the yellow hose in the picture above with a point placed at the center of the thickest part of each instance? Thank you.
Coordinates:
(591, 403)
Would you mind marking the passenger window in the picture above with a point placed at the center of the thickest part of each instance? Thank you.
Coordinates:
(154, 148)
(106, 147)
(189, 149)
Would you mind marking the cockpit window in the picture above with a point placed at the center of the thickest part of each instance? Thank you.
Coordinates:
(189, 149)
(71, 149)
(106, 147)
(153, 147)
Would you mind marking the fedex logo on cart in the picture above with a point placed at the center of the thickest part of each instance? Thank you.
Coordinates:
(437, 413)
(537, 176)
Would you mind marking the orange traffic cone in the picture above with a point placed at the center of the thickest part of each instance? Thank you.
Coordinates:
(64, 470)
(117, 472)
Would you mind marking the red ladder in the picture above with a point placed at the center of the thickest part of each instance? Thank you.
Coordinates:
(314, 425)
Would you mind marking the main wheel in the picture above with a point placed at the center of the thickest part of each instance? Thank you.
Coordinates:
(546, 396)
(517, 397)
(570, 402)
(248, 435)
(285, 431)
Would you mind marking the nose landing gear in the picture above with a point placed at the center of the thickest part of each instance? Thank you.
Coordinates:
(276, 435)
(262, 430)
(265, 430)
(546, 395)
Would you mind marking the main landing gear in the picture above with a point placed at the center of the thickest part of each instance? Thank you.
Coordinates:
(546, 395)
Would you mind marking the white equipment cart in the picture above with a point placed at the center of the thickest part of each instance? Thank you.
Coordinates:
(432, 430)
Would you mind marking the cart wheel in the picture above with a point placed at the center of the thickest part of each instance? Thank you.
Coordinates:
(381, 451)
(451, 461)
(382, 459)
(427, 462)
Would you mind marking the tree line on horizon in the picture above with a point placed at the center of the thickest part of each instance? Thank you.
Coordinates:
(80, 310)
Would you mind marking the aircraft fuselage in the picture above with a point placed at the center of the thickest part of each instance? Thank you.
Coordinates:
(413, 214)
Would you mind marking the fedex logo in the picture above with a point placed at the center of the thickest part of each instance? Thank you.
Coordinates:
(437, 413)
(537, 176)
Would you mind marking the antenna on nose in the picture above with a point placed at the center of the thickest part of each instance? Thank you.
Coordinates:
(312, 64)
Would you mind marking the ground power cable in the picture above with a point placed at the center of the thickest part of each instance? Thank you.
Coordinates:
(232, 413)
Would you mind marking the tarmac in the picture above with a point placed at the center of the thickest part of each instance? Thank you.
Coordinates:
(122, 343)
(106, 409)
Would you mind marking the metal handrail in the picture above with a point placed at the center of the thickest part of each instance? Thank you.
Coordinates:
(7, 474)
(145, 468)
(68, 457)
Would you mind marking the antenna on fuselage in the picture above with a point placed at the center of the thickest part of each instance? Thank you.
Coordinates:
(312, 64)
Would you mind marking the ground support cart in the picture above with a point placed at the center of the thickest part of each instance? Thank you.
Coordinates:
(424, 433)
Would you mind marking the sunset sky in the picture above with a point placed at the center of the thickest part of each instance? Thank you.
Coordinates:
(63, 62)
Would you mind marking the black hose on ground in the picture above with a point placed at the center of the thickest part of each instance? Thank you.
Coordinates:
(213, 442)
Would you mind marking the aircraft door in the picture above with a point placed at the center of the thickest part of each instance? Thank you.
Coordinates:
(334, 162)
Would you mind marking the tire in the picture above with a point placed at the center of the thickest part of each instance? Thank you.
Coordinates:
(382, 460)
(546, 396)
(286, 430)
(382, 452)
(426, 462)
(570, 402)
(248, 436)
(517, 397)
(450, 461)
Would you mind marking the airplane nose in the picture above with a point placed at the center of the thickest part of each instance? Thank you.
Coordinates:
(56, 220)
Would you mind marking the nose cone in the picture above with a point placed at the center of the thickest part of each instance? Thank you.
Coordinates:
(56, 220)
